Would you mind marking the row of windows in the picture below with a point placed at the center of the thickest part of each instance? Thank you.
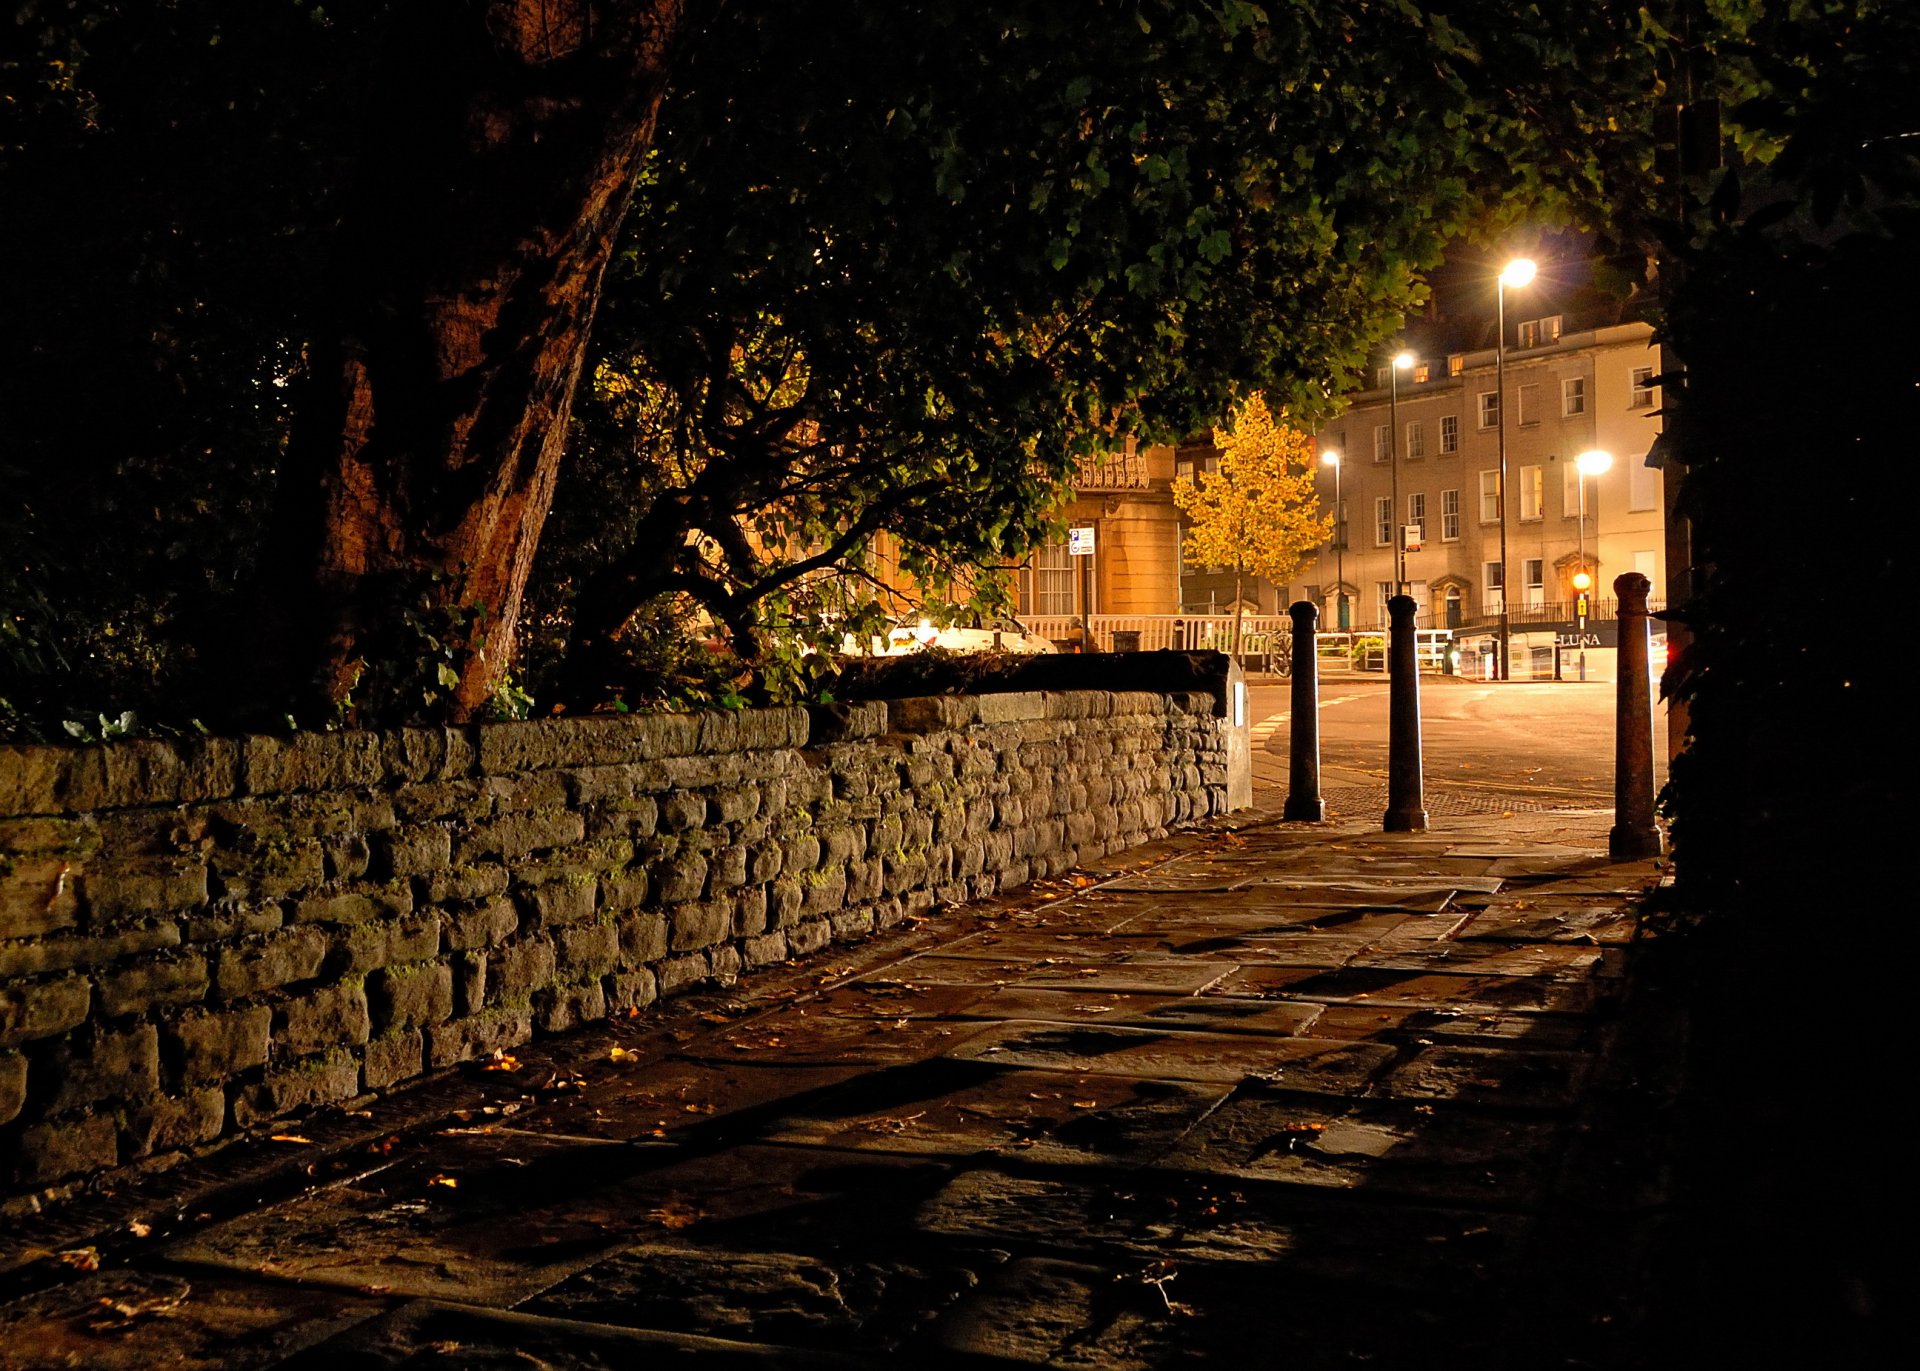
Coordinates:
(1573, 402)
(1531, 485)
(1531, 333)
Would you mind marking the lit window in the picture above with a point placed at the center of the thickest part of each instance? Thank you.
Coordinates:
(1642, 395)
(1417, 513)
(1456, 364)
(1573, 396)
(1421, 372)
(1449, 515)
(1530, 334)
(1532, 492)
(1536, 580)
(1053, 580)
(1489, 496)
(1416, 439)
(1489, 408)
(1449, 433)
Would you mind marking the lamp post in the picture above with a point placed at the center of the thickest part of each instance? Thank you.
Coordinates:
(1590, 463)
(1516, 273)
(1332, 459)
(1402, 361)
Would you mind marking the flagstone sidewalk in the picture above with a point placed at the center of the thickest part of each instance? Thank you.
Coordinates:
(1289, 1095)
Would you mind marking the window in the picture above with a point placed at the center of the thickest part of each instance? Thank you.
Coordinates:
(1183, 468)
(1417, 513)
(1573, 396)
(1381, 376)
(1382, 521)
(1494, 577)
(1385, 590)
(1489, 408)
(1416, 439)
(1382, 442)
(1340, 525)
(1535, 569)
(1642, 394)
(1421, 373)
(1449, 516)
(1053, 580)
(1643, 485)
(1529, 405)
(1540, 332)
(1569, 490)
(1449, 433)
(1456, 364)
(1489, 497)
(1532, 492)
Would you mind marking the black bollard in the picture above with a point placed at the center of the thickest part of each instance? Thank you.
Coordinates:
(1635, 834)
(1406, 799)
(1303, 730)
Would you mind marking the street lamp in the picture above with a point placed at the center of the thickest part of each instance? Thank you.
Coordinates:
(1402, 361)
(1332, 459)
(1516, 273)
(1590, 463)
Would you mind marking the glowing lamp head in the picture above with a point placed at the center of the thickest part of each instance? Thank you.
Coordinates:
(1330, 459)
(1403, 361)
(1582, 582)
(1518, 272)
(1594, 462)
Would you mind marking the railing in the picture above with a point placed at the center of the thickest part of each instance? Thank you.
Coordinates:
(1261, 635)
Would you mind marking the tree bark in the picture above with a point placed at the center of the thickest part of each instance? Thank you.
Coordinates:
(475, 231)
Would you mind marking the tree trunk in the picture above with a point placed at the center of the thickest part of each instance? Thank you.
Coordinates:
(475, 230)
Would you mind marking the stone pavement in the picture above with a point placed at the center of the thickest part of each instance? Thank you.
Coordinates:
(1287, 1095)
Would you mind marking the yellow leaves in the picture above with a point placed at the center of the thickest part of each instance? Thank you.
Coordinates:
(621, 1056)
(293, 1138)
(501, 1061)
(1259, 510)
(444, 1181)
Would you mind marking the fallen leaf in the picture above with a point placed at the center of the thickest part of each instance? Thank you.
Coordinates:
(139, 1229)
(501, 1061)
(449, 1182)
(621, 1054)
(291, 1138)
(80, 1258)
(1086, 1104)
(676, 1214)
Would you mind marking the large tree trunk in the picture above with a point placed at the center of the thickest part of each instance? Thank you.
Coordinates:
(475, 231)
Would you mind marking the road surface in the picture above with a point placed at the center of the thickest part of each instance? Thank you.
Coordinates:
(1488, 747)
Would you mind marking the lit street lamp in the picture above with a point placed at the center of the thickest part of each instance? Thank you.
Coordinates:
(1332, 459)
(1590, 463)
(1517, 273)
(1402, 361)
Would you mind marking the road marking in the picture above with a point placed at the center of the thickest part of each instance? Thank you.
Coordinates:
(1270, 725)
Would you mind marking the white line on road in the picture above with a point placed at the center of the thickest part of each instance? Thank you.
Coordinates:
(1270, 725)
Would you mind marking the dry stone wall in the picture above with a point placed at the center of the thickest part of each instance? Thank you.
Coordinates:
(197, 938)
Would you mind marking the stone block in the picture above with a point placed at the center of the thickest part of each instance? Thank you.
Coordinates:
(848, 924)
(562, 902)
(643, 938)
(348, 856)
(120, 775)
(38, 895)
(538, 744)
(631, 990)
(723, 964)
(735, 805)
(681, 973)
(519, 970)
(680, 877)
(728, 869)
(226, 922)
(44, 1009)
(311, 761)
(932, 713)
(13, 1085)
(157, 983)
(143, 888)
(765, 860)
(478, 1036)
(627, 890)
(271, 870)
(681, 812)
(750, 911)
(166, 1123)
(809, 935)
(427, 754)
(469, 983)
(462, 884)
(354, 906)
(121, 1064)
(692, 927)
(55, 1150)
(401, 997)
(321, 1020)
(825, 893)
(786, 897)
(360, 950)
(416, 850)
(516, 835)
(764, 950)
(284, 958)
(487, 926)
(216, 1046)
(586, 950)
(321, 1080)
(393, 1058)
(838, 723)
(563, 1007)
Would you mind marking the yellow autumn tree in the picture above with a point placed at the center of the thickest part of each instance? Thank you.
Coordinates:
(1257, 512)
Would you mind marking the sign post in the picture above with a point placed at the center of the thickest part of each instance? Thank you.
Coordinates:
(1080, 544)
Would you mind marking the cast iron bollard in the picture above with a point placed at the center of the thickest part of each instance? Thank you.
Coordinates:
(1303, 731)
(1635, 834)
(1406, 799)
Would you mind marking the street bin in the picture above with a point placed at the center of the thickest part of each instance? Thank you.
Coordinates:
(1126, 640)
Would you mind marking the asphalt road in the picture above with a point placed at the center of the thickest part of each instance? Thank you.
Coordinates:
(1533, 745)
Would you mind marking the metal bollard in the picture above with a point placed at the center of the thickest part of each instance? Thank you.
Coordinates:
(1406, 799)
(1635, 834)
(1303, 729)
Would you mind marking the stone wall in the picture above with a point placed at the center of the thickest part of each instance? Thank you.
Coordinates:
(200, 937)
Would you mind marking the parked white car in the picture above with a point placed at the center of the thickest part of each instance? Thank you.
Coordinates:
(983, 635)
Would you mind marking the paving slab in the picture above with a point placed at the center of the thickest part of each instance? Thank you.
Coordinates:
(1176, 1056)
(1488, 1075)
(1456, 987)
